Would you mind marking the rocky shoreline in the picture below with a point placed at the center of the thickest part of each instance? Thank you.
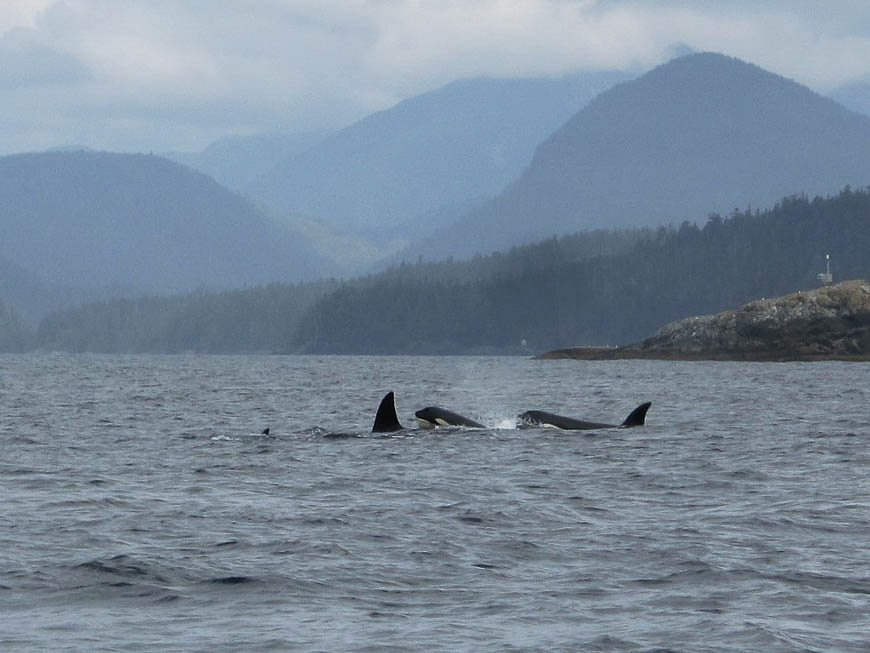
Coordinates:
(829, 323)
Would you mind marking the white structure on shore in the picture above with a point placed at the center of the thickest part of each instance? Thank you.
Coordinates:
(826, 277)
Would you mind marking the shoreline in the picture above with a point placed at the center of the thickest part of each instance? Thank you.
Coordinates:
(831, 323)
(630, 353)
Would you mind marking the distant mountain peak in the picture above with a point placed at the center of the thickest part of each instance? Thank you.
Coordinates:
(699, 134)
(716, 73)
(465, 140)
(138, 221)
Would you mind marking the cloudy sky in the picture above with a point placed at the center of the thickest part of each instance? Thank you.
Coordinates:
(158, 75)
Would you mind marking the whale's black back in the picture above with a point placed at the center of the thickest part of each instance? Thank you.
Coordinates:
(637, 417)
(437, 416)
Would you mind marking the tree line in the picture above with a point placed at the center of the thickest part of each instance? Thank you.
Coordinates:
(556, 299)
(595, 288)
(256, 320)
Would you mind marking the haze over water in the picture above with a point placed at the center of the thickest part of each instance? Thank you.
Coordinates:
(143, 509)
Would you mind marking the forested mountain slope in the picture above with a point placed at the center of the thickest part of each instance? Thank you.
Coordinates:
(594, 288)
(703, 133)
(254, 320)
(555, 299)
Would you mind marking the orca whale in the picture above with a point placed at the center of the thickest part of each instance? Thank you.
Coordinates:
(386, 420)
(433, 416)
(532, 418)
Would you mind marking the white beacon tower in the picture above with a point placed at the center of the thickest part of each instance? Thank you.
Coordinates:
(825, 277)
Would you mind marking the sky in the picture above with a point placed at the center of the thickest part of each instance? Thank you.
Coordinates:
(175, 75)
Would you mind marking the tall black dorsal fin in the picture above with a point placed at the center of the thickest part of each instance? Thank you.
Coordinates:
(386, 419)
(637, 417)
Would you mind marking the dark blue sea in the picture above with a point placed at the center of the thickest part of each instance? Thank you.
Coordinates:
(143, 510)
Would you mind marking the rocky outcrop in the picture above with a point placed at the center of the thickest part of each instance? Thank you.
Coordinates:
(830, 323)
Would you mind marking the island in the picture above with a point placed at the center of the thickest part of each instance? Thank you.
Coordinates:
(827, 323)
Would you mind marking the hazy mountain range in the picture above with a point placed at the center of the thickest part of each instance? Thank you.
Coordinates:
(137, 224)
(461, 142)
(854, 96)
(476, 166)
(237, 161)
(704, 133)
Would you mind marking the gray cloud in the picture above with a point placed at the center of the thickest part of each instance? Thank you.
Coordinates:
(27, 63)
(162, 74)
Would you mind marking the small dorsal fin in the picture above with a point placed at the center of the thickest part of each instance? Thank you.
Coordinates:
(386, 419)
(266, 431)
(637, 417)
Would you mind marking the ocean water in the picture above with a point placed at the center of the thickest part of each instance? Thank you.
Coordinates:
(143, 510)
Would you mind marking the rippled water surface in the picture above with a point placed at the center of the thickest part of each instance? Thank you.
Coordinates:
(143, 510)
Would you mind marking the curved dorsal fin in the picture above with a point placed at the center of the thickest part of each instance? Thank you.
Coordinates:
(386, 419)
(637, 417)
